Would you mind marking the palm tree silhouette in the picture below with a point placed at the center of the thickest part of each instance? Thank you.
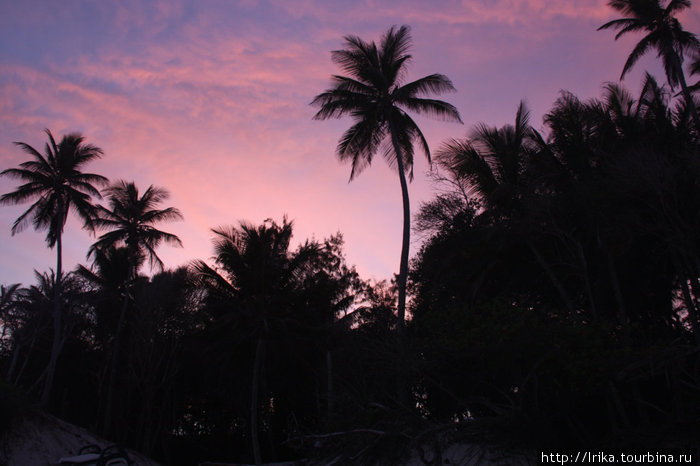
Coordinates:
(374, 95)
(55, 182)
(130, 220)
(257, 276)
(494, 163)
(663, 32)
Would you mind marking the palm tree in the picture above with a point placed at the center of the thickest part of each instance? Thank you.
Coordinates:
(663, 32)
(375, 95)
(494, 164)
(56, 183)
(130, 220)
(257, 277)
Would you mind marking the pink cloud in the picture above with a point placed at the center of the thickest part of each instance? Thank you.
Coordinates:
(214, 107)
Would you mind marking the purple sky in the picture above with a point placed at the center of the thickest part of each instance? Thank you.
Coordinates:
(210, 100)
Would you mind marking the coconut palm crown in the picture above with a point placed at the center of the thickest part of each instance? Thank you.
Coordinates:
(374, 93)
(663, 33)
(56, 183)
(130, 220)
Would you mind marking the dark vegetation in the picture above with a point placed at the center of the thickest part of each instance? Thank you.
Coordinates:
(555, 301)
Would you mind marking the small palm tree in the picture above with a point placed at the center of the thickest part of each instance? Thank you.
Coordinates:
(375, 96)
(663, 32)
(55, 182)
(130, 220)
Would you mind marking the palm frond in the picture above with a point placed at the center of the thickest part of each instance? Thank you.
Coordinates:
(624, 24)
(393, 54)
(33, 152)
(336, 103)
(359, 143)
(434, 83)
(676, 6)
(640, 49)
(437, 109)
(465, 162)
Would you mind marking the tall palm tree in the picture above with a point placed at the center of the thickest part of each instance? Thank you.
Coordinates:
(375, 96)
(663, 32)
(55, 182)
(130, 220)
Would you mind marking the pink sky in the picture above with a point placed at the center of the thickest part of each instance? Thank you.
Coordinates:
(209, 99)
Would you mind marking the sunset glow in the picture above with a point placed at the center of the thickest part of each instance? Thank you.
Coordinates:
(210, 100)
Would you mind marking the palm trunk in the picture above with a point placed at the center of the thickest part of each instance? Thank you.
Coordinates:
(586, 280)
(405, 242)
(254, 401)
(56, 344)
(329, 387)
(114, 362)
(401, 388)
(117, 344)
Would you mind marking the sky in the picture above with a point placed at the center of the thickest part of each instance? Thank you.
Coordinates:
(209, 99)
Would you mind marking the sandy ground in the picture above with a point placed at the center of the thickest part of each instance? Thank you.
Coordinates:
(39, 439)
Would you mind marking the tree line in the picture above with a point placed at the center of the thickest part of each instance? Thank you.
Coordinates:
(555, 300)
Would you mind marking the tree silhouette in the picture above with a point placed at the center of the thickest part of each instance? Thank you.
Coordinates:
(493, 162)
(256, 279)
(663, 32)
(375, 96)
(56, 183)
(610, 202)
(130, 219)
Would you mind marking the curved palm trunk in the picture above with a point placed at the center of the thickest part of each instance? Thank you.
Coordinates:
(56, 344)
(405, 242)
(401, 389)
